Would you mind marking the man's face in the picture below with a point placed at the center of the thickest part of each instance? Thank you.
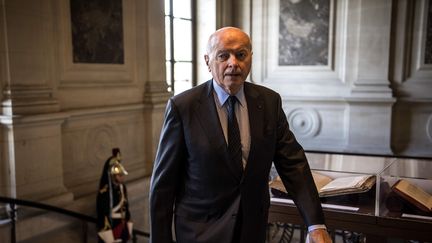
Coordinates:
(118, 179)
(229, 58)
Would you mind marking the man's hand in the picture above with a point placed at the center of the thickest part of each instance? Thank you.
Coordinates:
(318, 236)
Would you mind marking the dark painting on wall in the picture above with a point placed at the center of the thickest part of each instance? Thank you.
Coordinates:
(97, 31)
(428, 49)
(304, 32)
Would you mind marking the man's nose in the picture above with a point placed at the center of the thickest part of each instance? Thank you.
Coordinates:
(232, 61)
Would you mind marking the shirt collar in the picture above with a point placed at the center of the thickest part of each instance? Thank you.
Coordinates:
(223, 96)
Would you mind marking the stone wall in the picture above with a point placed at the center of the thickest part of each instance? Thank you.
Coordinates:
(372, 95)
(64, 110)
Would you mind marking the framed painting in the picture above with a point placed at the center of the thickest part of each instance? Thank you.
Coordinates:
(299, 39)
(428, 34)
(304, 27)
(97, 31)
(97, 42)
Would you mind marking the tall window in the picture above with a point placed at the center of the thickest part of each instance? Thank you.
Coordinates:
(180, 44)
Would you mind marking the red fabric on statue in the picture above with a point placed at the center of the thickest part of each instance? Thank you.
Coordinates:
(120, 230)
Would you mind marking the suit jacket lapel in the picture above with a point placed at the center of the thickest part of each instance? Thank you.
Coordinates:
(209, 120)
(207, 114)
(256, 121)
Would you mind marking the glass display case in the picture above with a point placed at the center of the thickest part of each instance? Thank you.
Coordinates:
(406, 190)
(382, 212)
(348, 168)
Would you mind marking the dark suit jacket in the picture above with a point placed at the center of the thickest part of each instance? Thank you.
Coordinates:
(194, 179)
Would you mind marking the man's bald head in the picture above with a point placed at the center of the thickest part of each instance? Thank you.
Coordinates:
(226, 32)
(229, 58)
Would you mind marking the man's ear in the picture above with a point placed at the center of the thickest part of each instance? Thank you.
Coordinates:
(207, 59)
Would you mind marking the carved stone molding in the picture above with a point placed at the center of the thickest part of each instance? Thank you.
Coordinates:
(410, 71)
(156, 92)
(99, 140)
(28, 100)
(429, 128)
(304, 122)
(370, 38)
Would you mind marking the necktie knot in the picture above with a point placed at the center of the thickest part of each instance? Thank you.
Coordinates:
(231, 106)
(232, 100)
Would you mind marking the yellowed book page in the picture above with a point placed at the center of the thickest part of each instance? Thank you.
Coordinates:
(369, 182)
(277, 184)
(345, 183)
(415, 192)
(320, 180)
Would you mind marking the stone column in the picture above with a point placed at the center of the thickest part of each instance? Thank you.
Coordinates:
(152, 69)
(29, 116)
(370, 100)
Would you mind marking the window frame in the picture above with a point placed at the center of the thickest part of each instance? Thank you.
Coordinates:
(172, 60)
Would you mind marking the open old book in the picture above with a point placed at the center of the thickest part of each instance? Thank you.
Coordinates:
(413, 194)
(328, 186)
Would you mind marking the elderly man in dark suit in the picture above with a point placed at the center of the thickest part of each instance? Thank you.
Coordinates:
(216, 148)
